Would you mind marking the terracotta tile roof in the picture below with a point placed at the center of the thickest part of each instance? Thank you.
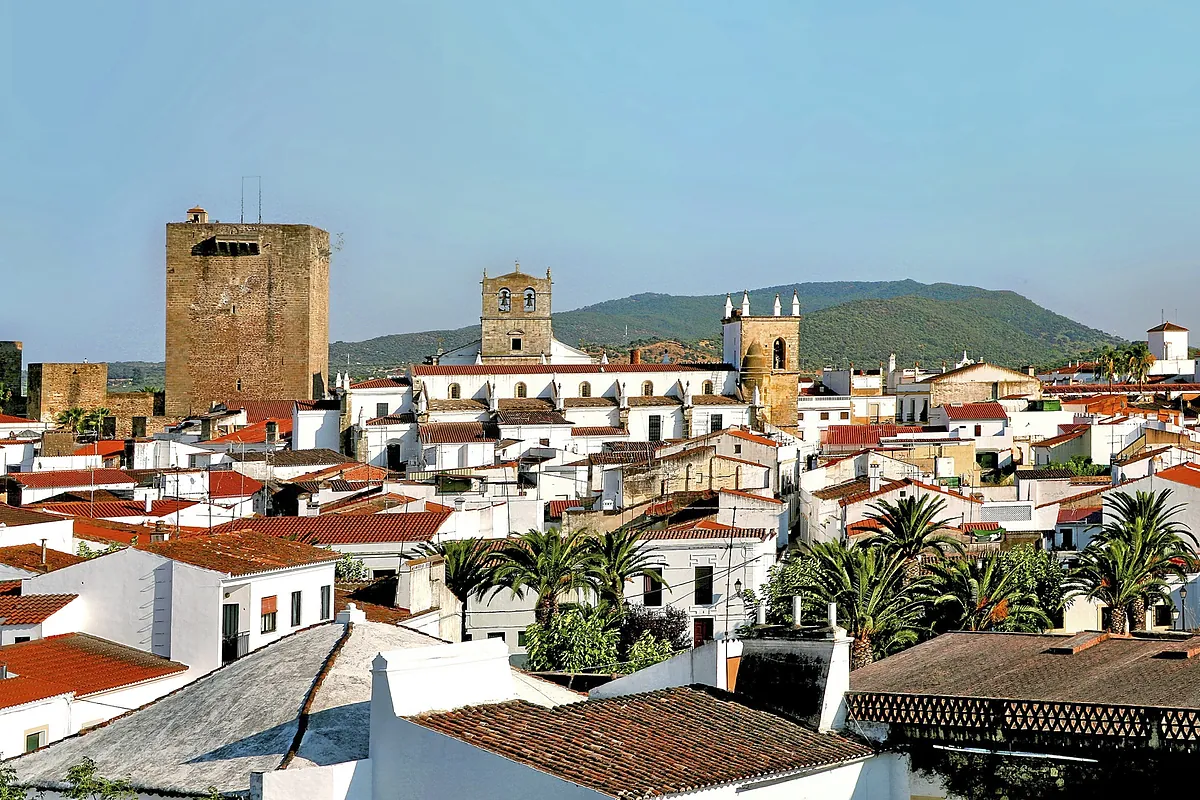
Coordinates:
(376, 600)
(394, 419)
(256, 433)
(750, 496)
(337, 529)
(102, 530)
(371, 504)
(707, 529)
(864, 435)
(260, 410)
(381, 383)
(1084, 495)
(9, 419)
(653, 400)
(1019, 666)
(1187, 474)
(863, 526)
(111, 509)
(1062, 438)
(29, 557)
(105, 448)
(229, 483)
(530, 417)
(237, 548)
(973, 411)
(1167, 326)
(565, 369)
(457, 404)
(1075, 516)
(747, 436)
(316, 457)
(457, 432)
(352, 471)
(83, 664)
(716, 400)
(598, 430)
(590, 402)
(849, 488)
(31, 609)
(13, 516)
(70, 478)
(10, 587)
(557, 507)
(669, 741)
(28, 689)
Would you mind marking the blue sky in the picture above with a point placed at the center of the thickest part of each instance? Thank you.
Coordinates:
(691, 147)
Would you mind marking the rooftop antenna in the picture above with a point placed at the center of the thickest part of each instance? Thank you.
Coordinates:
(259, 179)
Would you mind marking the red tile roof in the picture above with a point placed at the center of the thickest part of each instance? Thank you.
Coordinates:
(29, 557)
(973, 411)
(13, 516)
(1074, 516)
(27, 689)
(864, 435)
(102, 530)
(367, 504)
(1062, 438)
(350, 472)
(240, 551)
(550, 369)
(105, 448)
(112, 509)
(31, 609)
(256, 433)
(1167, 326)
(557, 507)
(71, 478)
(9, 419)
(260, 410)
(1187, 474)
(598, 430)
(337, 529)
(750, 496)
(381, 383)
(747, 436)
(456, 432)
(230, 483)
(394, 419)
(79, 663)
(665, 742)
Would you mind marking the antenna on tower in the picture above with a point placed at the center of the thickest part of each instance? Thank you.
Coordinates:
(259, 179)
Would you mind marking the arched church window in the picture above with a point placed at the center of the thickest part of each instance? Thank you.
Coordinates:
(585, 389)
(519, 390)
(504, 300)
(454, 391)
(779, 359)
(530, 300)
(648, 389)
(708, 387)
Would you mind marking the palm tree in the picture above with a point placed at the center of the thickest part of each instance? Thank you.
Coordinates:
(470, 569)
(1145, 517)
(74, 418)
(877, 604)
(621, 557)
(94, 419)
(910, 527)
(550, 565)
(985, 596)
(1106, 363)
(1140, 360)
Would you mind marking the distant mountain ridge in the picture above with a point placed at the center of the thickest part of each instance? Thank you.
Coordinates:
(843, 322)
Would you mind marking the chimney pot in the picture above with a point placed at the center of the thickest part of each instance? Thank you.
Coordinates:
(797, 608)
(833, 615)
(635, 355)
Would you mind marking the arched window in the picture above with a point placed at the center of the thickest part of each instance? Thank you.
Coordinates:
(647, 389)
(530, 300)
(519, 390)
(585, 389)
(504, 300)
(454, 392)
(708, 387)
(779, 361)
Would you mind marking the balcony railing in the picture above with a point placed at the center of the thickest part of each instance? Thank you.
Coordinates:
(234, 647)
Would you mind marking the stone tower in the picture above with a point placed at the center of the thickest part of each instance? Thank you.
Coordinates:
(766, 350)
(247, 313)
(515, 324)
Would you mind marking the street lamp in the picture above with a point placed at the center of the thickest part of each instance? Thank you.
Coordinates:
(737, 587)
(1183, 606)
(1175, 618)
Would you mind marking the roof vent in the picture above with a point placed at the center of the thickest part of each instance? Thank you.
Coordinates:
(1078, 643)
(1187, 648)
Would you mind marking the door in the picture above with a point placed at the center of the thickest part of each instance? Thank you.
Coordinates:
(702, 631)
(229, 620)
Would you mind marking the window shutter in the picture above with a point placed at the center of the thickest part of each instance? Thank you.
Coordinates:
(270, 604)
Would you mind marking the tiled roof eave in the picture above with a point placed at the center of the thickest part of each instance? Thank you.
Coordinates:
(273, 570)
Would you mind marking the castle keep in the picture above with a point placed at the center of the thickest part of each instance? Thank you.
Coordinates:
(247, 313)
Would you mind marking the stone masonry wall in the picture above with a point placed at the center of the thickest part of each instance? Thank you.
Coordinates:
(248, 322)
(498, 328)
(56, 387)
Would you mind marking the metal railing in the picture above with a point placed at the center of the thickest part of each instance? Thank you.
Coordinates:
(234, 647)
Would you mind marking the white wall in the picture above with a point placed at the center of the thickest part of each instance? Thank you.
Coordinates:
(58, 533)
(316, 429)
(53, 713)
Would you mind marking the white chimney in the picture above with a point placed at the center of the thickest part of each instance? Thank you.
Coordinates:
(149, 504)
(797, 608)
(728, 306)
(439, 678)
(874, 479)
(833, 615)
(745, 304)
(778, 309)
(795, 303)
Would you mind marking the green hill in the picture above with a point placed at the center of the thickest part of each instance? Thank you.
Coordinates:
(843, 321)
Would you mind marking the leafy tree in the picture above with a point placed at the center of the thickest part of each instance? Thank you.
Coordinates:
(647, 651)
(83, 783)
(350, 569)
(987, 595)
(667, 624)
(794, 575)
(1081, 466)
(577, 639)
(622, 556)
(470, 569)
(1041, 573)
(877, 605)
(10, 788)
(550, 565)
(84, 551)
(911, 528)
